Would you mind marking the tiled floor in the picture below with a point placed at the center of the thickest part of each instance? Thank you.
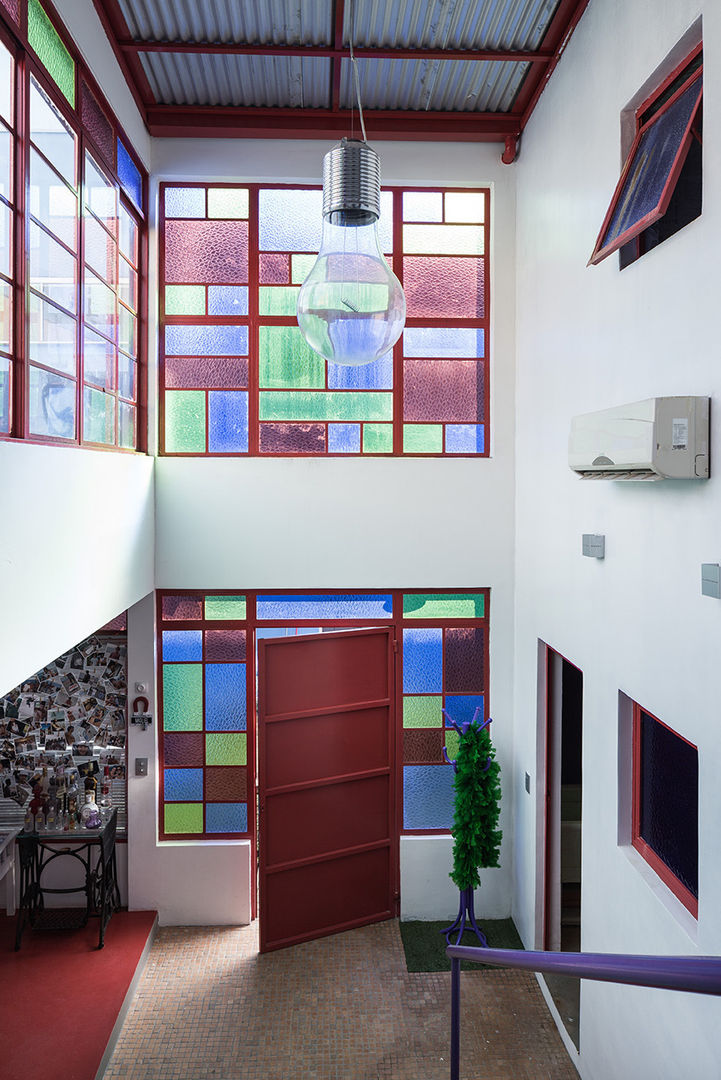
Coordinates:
(341, 1008)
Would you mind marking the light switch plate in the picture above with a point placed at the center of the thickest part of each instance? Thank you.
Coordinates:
(593, 545)
(141, 766)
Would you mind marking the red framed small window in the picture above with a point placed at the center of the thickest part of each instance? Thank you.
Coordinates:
(665, 804)
(661, 178)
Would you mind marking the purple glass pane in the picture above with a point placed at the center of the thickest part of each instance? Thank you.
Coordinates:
(463, 660)
(292, 438)
(438, 341)
(183, 785)
(226, 817)
(375, 376)
(444, 287)
(211, 372)
(225, 644)
(228, 421)
(97, 124)
(206, 340)
(186, 748)
(450, 390)
(226, 783)
(465, 438)
(427, 796)
(422, 745)
(227, 300)
(13, 8)
(274, 269)
(212, 251)
(182, 607)
(422, 661)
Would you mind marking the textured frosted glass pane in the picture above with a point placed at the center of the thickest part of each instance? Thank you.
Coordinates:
(347, 606)
(126, 376)
(301, 266)
(100, 308)
(127, 331)
(98, 360)
(451, 390)
(427, 796)
(225, 698)
(422, 439)
(423, 744)
(184, 749)
(226, 817)
(225, 644)
(98, 416)
(206, 340)
(101, 196)
(6, 140)
(292, 438)
(52, 202)
(4, 394)
(285, 359)
(437, 341)
(52, 336)
(226, 783)
(443, 239)
(225, 607)
(185, 300)
(344, 438)
(100, 250)
(183, 785)
(45, 40)
(6, 84)
(385, 223)
(13, 9)
(52, 405)
(128, 235)
(182, 645)
(206, 251)
(126, 425)
(423, 206)
(377, 438)
(6, 314)
(130, 178)
(96, 123)
(225, 749)
(227, 421)
(183, 818)
(227, 202)
(227, 300)
(444, 288)
(274, 269)
(182, 697)
(51, 266)
(290, 220)
(181, 607)
(280, 405)
(51, 134)
(453, 744)
(193, 371)
(443, 606)
(464, 660)
(375, 376)
(127, 284)
(278, 300)
(6, 217)
(422, 712)
(465, 206)
(462, 708)
(185, 202)
(422, 661)
(185, 422)
(465, 438)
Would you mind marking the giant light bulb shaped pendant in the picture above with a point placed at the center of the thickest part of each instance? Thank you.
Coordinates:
(351, 307)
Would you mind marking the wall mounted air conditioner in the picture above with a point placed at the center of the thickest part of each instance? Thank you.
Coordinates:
(660, 438)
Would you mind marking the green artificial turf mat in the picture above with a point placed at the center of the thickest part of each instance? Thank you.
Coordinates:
(425, 945)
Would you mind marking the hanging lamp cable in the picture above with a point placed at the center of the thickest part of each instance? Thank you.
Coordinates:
(356, 78)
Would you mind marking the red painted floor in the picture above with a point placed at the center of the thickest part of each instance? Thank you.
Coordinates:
(60, 996)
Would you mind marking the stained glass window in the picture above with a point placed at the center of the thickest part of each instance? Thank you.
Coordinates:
(48, 45)
(7, 217)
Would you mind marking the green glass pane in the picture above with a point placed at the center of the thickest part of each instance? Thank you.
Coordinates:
(443, 606)
(300, 267)
(182, 697)
(227, 202)
(185, 300)
(377, 438)
(225, 749)
(278, 300)
(422, 438)
(333, 405)
(184, 421)
(453, 741)
(98, 416)
(184, 817)
(45, 40)
(443, 239)
(422, 712)
(285, 359)
(225, 607)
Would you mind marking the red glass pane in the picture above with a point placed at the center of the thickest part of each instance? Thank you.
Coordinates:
(463, 657)
(13, 8)
(184, 749)
(225, 783)
(225, 645)
(444, 288)
(443, 390)
(182, 607)
(212, 372)
(292, 438)
(97, 124)
(212, 251)
(274, 269)
(422, 745)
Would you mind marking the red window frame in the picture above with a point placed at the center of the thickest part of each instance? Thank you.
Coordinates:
(656, 863)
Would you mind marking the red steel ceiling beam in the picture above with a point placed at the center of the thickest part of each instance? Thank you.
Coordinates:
(115, 28)
(555, 39)
(338, 18)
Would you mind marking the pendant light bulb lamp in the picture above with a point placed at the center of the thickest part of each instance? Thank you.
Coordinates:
(351, 307)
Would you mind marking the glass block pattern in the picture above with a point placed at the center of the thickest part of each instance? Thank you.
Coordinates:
(429, 397)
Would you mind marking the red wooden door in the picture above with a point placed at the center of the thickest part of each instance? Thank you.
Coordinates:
(328, 853)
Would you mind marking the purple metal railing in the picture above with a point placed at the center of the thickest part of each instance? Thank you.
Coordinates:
(694, 974)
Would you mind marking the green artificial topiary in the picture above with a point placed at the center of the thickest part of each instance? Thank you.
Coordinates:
(477, 788)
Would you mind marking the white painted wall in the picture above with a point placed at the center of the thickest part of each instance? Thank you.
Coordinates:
(588, 338)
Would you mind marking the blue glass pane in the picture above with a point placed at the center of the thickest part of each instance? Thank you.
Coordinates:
(227, 421)
(182, 645)
(183, 785)
(226, 817)
(423, 661)
(463, 707)
(344, 438)
(290, 220)
(437, 341)
(286, 631)
(365, 606)
(129, 176)
(185, 202)
(225, 698)
(427, 796)
(375, 376)
(227, 299)
(465, 438)
(206, 340)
